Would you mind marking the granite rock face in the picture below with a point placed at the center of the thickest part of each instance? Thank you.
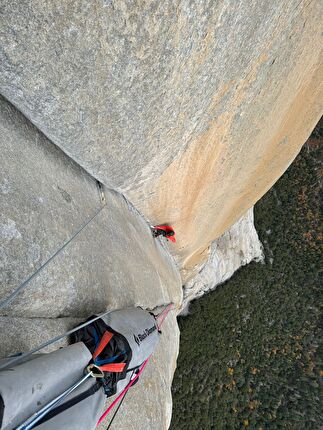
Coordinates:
(237, 247)
(113, 263)
(45, 199)
(193, 109)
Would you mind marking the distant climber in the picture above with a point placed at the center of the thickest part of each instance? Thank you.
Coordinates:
(165, 231)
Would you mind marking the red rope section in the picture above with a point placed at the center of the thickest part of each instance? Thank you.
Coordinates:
(104, 415)
(161, 317)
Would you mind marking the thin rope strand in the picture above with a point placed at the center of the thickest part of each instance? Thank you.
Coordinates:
(117, 410)
(21, 287)
(49, 342)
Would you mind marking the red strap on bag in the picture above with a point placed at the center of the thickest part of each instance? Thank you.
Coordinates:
(113, 367)
(103, 343)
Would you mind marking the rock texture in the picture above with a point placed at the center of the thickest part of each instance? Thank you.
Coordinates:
(113, 263)
(20, 334)
(235, 248)
(191, 108)
(45, 199)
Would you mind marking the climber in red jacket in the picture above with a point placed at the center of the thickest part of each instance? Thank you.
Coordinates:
(165, 231)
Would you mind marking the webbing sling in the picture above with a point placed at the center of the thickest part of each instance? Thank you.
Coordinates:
(103, 343)
(112, 367)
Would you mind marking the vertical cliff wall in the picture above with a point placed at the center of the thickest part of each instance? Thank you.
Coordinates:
(45, 198)
(193, 109)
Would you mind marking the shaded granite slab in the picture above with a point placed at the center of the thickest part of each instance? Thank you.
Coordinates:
(22, 334)
(45, 198)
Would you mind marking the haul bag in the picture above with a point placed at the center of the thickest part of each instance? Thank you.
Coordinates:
(135, 335)
(117, 344)
(27, 387)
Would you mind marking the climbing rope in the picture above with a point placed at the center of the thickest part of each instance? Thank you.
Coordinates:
(117, 410)
(126, 389)
(161, 317)
(22, 286)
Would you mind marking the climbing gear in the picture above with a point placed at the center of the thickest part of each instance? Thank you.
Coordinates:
(124, 392)
(116, 411)
(165, 231)
(126, 337)
(68, 404)
(160, 320)
(113, 348)
(27, 388)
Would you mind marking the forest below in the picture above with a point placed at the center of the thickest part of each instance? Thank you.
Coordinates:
(251, 351)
